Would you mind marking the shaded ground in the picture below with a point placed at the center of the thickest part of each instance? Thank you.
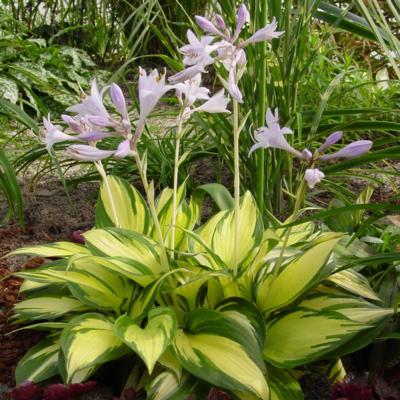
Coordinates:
(49, 217)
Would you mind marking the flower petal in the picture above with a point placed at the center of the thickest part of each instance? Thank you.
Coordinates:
(83, 152)
(330, 140)
(313, 176)
(352, 150)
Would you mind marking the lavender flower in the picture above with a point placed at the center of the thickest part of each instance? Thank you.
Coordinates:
(272, 136)
(53, 134)
(352, 150)
(313, 176)
(198, 52)
(84, 152)
(331, 140)
(91, 105)
(269, 32)
(151, 88)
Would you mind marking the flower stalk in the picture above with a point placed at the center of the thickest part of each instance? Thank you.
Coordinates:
(179, 132)
(103, 174)
(300, 196)
(236, 134)
(150, 200)
(260, 184)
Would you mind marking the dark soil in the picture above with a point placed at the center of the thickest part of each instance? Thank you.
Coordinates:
(48, 217)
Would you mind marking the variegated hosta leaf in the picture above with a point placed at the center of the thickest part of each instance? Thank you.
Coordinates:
(141, 251)
(167, 386)
(46, 307)
(42, 277)
(150, 342)
(298, 233)
(355, 283)
(318, 326)
(186, 215)
(131, 269)
(216, 348)
(96, 286)
(218, 234)
(87, 341)
(122, 206)
(299, 276)
(58, 249)
(283, 385)
(40, 362)
(246, 315)
(355, 309)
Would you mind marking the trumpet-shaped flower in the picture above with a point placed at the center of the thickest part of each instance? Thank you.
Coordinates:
(186, 74)
(242, 16)
(207, 26)
(91, 105)
(273, 136)
(216, 104)
(123, 149)
(84, 152)
(93, 136)
(267, 33)
(190, 91)
(313, 176)
(198, 50)
(53, 134)
(233, 88)
(331, 140)
(118, 99)
(355, 149)
(151, 88)
(74, 124)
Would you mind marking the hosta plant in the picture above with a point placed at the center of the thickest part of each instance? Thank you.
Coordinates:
(189, 304)
(196, 323)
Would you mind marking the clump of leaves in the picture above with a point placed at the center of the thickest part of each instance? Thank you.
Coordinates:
(42, 77)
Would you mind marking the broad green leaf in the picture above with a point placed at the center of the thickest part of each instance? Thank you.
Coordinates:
(40, 362)
(319, 325)
(246, 315)
(96, 286)
(58, 249)
(186, 215)
(47, 307)
(140, 250)
(299, 276)
(215, 347)
(298, 233)
(355, 283)
(283, 385)
(218, 233)
(219, 193)
(150, 342)
(8, 89)
(122, 206)
(353, 308)
(302, 336)
(167, 386)
(89, 340)
(131, 269)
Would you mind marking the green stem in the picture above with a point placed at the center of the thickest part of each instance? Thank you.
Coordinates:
(153, 211)
(236, 134)
(103, 175)
(175, 183)
(260, 185)
(299, 200)
(63, 181)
